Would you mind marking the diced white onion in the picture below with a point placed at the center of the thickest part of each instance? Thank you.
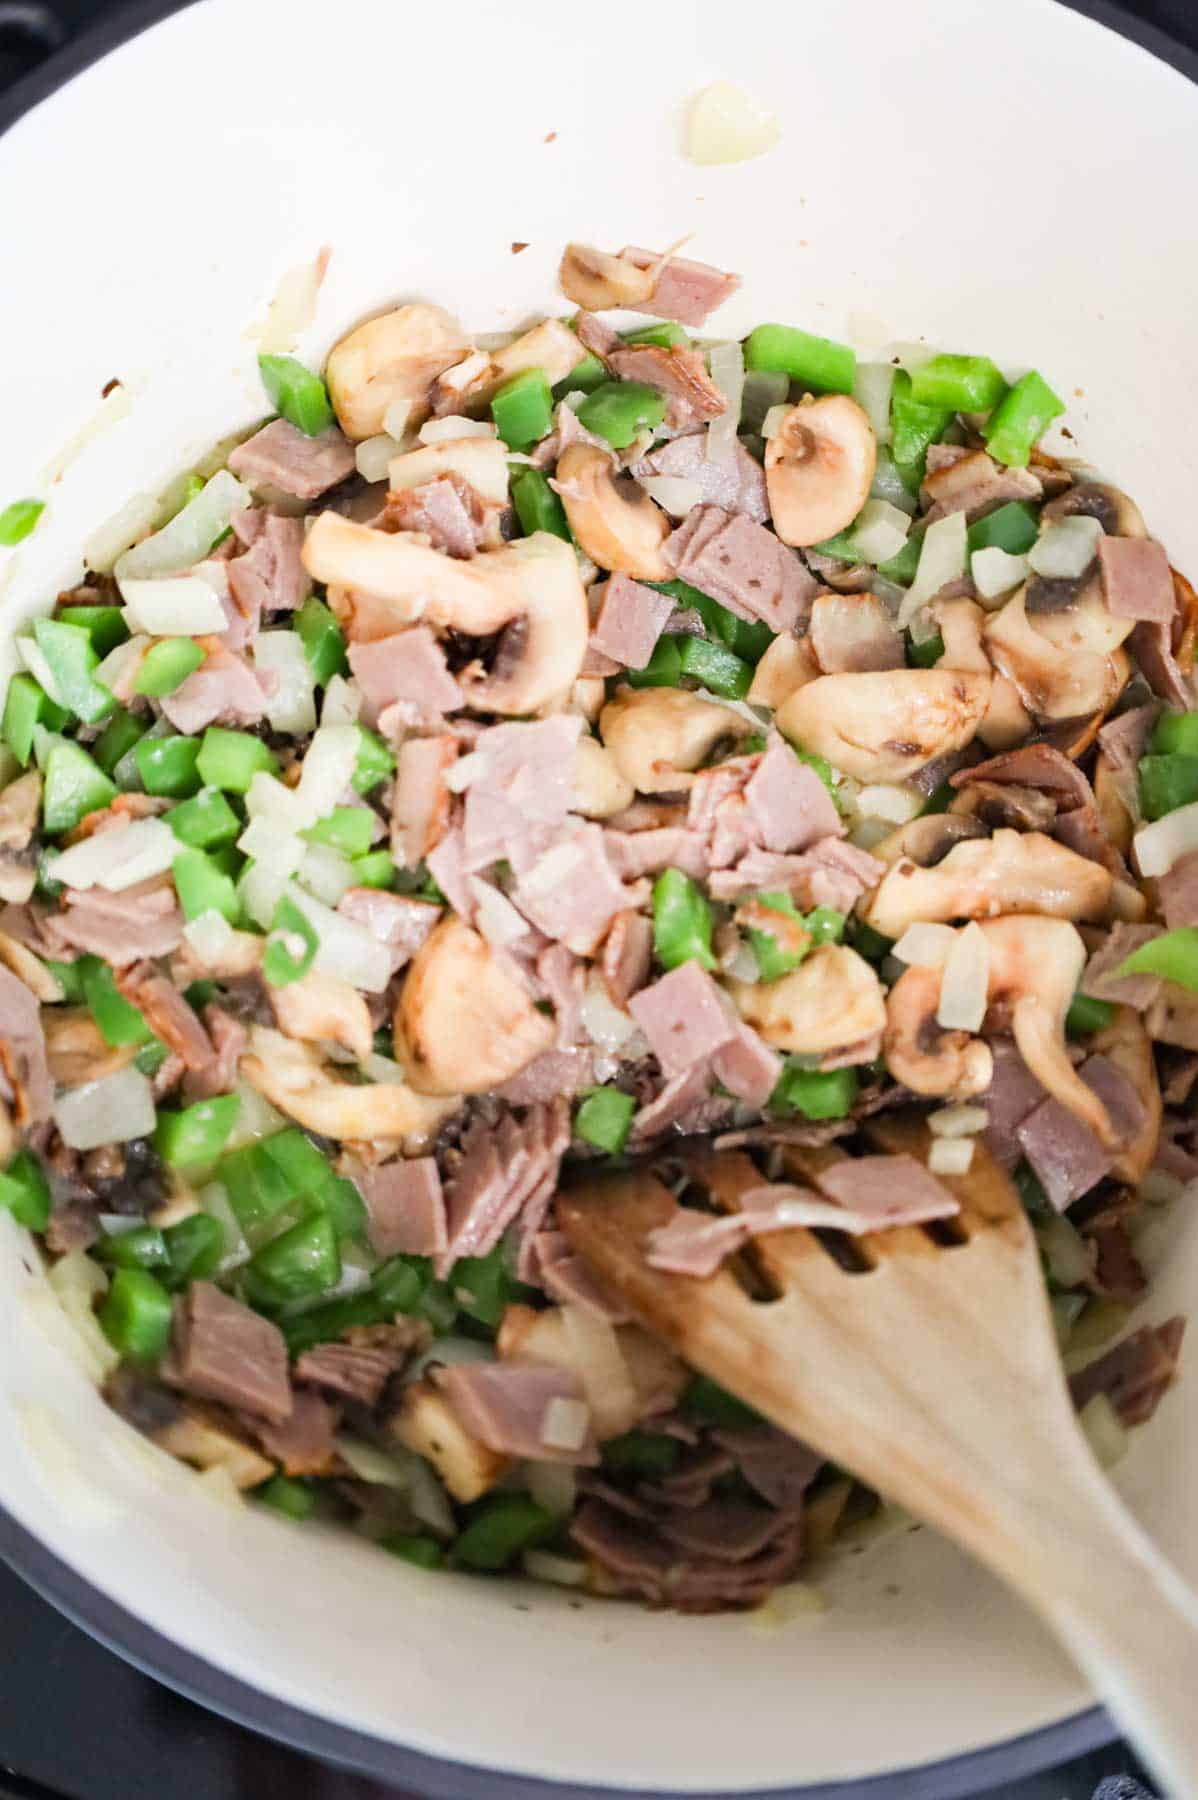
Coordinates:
(343, 947)
(1066, 548)
(676, 493)
(879, 531)
(743, 964)
(76, 1283)
(374, 455)
(190, 534)
(325, 873)
(269, 825)
(294, 305)
(119, 858)
(881, 801)
(965, 982)
(1104, 1430)
(262, 883)
(562, 1571)
(872, 384)
(292, 706)
(565, 1424)
(179, 606)
(208, 936)
(109, 541)
(381, 1468)
(950, 1156)
(865, 833)
(942, 558)
(1159, 845)
(342, 702)
(120, 663)
(775, 419)
(763, 389)
(113, 1110)
(256, 1117)
(551, 867)
(328, 767)
(996, 571)
(1070, 1259)
(385, 1071)
(727, 364)
(553, 1486)
(496, 917)
(395, 419)
(923, 625)
(600, 1366)
(602, 1020)
(34, 659)
(888, 484)
(958, 1121)
(436, 431)
(925, 946)
(725, 125)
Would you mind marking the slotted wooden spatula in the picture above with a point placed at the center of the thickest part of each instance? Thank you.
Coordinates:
(925, 1361)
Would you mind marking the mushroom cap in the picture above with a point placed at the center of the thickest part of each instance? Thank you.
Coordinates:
(981, 878)
(396, 356)
(885, 725)
(832, 999)
(1115, 511)
(596, 280)
(819, 466)
(614, 521)
(464, 1021)
(1052, 660)
(658, 736)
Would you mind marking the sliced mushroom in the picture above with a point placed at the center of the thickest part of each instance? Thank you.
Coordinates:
(833, 999)
(1114, 795)
(1085, 625)
(819, 466)
(1035, 964)
(614, 520)
(240, 955)
(325, 1007)
(426, 1423)
(550, 346)
(530, 591)
(789, 663)
(481, 462)
(465, 1022)
(927, 840)
(1052, 685)
(1126, 1043)
(294, 1079)
(75, 1050)
(394, 357)
(596, 280)
(1012, 872)
(995, 804)
(598, 789)
(19, 804)
(1115, 511)
(30, 969)
(884, 725)
(1005, 722)
(659, 736)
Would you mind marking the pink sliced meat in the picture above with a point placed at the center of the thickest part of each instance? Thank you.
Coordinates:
(168, 1015)
(519, 792)
(1137, 582)
(503, 1170)
(303, 1443)
(397, 920)
(23, 1052)
(598, 337)
(1118, 1273)
(224, 688)
(832, 873)
(447, 866)
(627, 953)
(741, 564)
(421, 802)
(1102, 982)
(974, 485)
(1178, 892)
(630, 620)
(888, 1190)
(1038, 766)
(684, 1017)
(633, 1558)
(677, 372)
(687, 292)
(269, 575)
(406, 1207)
(144, 920)
(747, 1067)
(561, 977)
(1067, 1156)
(280, 456)
(682, 1100)
(736, 484)
(225, 1351)
(1135, 1374)
(228, 1037)
(789, 804)
(410, 666)
(719, 812)
(1013, 1093)
(725, 1529)
(1152, 646)
(779, 1467)
(635, 853)
(446, 509)
(571, 892)
(504, 1405)
(1124, 739)
(852, 633)
(360, 1366)
(553, 1074)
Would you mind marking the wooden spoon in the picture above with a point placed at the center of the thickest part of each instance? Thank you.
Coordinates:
(924, 1360)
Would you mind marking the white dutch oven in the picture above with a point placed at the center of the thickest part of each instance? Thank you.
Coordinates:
(1012, 179)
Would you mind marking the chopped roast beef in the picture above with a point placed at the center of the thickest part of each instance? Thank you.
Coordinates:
(1135, 1374)
(736, 483)
(361, 1365)
(511, 1407)
(406, 1207)
(280, 456)
(741, 564)
(225, 1351)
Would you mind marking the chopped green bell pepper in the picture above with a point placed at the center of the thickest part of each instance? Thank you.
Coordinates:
(323, 640)
(825, 924)
(522, 409)
(484, 1286)
(816, 1093)
(104, 625)
(291, 946)
(1167, 782)
(1173, 956)
(347, 828)
(284, 1494)
(231, 759)
(18, 520)
(27, 705)
(605, 1118)
(538, 508)
(924, 655)
(204, 821)
(704, 1398)
(619, 410)
(136, 1315)
(665, 334)
(122, 734)
(818, 363)
(301, 1262)
(424, 1552)
(718, 669)
(375, 761)
(778, 953)
(913, 427)
(645, 1455)
(502, 1526)
(72, 660)
(749, 638)
(1175, 734)
(166, 666)
(25, 1191)
(663, 669)
(142, 1248)
(203, 887)
(1087, 1015)
(118, 1019)
(167, 765)
(296, 394)
(1013, 528)
(682, 922)
(198, 1133)
(1021, 418)
(376, 870)
(958, 383)
(194, 1250)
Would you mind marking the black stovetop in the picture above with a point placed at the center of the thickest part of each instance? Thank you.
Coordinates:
(76, 1723)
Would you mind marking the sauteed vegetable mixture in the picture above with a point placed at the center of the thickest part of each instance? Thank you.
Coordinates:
(507, 760)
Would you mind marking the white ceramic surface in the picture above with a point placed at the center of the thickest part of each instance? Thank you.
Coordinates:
(1013, 179)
